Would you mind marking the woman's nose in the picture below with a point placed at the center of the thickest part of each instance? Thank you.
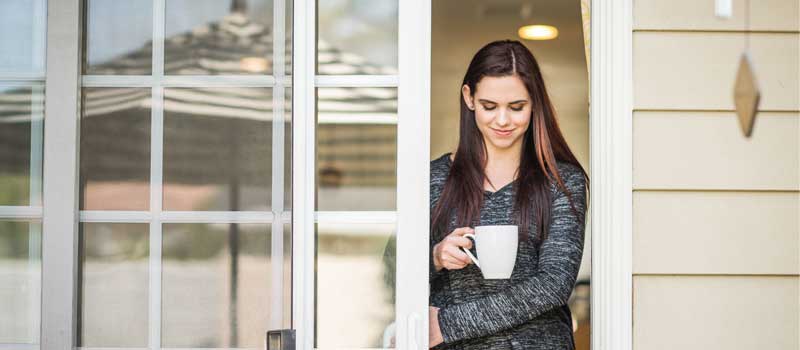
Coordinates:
(502, 117)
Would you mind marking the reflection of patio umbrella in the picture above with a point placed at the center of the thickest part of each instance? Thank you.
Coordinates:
(205, 125)
(220, 48)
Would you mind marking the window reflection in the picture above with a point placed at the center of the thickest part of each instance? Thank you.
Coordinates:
(357, 148)
(23, 51)
(114, 281)
(20, 259)
(220, 37)
(355, 284)
(21, 141)
(218, 145)
(215, 285)
(202, 37)
(357, 37)
(115, 149)
(118, 37)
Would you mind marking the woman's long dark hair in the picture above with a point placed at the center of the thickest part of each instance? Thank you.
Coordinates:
(543, 145)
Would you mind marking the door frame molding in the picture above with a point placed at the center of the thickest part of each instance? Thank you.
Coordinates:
(611, 168)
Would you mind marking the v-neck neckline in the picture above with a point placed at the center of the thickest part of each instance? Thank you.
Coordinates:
(490, 193)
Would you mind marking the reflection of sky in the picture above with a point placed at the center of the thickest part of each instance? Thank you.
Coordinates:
(365, 27)
(20, 49)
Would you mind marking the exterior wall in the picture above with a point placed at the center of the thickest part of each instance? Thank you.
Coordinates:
(715, 215)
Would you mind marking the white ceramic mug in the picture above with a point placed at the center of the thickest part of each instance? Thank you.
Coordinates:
(496, 246)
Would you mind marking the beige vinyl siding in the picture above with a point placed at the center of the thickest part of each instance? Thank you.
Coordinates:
(716, 216)
(715, 312)
(697, 70)
(706, 151)
(723, 232)
(694, 15)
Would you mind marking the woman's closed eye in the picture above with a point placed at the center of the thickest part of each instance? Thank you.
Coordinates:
(513, 108)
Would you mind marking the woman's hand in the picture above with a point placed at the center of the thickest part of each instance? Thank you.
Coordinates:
(447, 253)
(434, 334)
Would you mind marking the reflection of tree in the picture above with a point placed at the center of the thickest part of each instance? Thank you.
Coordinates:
(390, 265)
(390, 277)
(13, 239)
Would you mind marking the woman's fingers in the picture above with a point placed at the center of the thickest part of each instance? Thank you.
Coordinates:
(454, 265)
(456, 255)
(461, 231)
(460, 241)
(451, 256)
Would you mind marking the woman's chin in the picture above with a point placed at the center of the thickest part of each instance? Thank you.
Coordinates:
(502, 145)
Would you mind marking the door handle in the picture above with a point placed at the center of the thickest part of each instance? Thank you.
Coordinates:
(280, 339)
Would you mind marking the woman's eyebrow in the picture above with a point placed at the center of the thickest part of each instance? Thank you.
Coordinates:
(511, 103)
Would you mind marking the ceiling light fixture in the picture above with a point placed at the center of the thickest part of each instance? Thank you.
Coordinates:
(538, 32)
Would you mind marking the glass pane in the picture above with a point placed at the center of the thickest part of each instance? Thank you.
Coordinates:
(218, 37)
(115, 149)
(215, 285)
(217, 149)
(119, 37)
(113, 285)
(357, 37)
(22, 45)
(20, 273)
(357, 148)
(355, 285)
(21, 140)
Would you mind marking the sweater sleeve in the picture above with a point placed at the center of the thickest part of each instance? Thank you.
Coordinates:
(548, 287)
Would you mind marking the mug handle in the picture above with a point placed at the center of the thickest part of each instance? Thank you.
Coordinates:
(474, 259)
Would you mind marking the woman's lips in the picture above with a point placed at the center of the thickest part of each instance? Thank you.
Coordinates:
(502, 132)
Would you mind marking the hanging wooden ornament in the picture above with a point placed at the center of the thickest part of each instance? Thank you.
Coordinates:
(746, 95)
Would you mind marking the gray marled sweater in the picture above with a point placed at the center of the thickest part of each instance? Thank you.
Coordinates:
(529, 310)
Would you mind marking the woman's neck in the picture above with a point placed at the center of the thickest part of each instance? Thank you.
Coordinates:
(503, 160)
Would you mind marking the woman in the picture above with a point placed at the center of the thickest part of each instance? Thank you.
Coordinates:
(512, 166)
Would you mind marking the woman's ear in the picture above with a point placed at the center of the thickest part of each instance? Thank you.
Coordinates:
(467, 95)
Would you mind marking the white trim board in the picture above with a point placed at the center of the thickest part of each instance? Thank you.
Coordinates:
(611, 168)
(304, 52)
(60, 172)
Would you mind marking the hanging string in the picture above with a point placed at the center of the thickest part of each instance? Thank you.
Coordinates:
(747, 27)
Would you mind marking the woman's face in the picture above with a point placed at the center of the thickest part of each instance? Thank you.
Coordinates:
(502, 110)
